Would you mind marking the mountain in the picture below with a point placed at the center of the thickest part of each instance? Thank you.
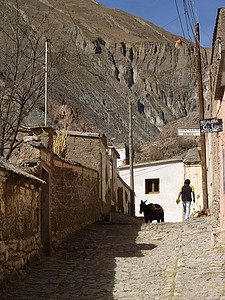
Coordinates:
(113, 57)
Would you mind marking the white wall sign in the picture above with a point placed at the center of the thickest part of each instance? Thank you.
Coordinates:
(188, 131)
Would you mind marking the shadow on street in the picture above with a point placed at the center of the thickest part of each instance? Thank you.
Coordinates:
(84, 265)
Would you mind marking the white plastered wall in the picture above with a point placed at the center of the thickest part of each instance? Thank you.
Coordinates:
(194, 173)
(171, 177)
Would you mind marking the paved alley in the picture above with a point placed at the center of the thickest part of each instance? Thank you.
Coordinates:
(126, 260)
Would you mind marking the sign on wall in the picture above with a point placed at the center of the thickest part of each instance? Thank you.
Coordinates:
(188, 131)
(211, 125)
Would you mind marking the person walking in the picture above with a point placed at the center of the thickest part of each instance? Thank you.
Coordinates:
(187, 191)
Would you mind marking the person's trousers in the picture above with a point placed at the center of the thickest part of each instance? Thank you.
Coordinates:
(186, 206)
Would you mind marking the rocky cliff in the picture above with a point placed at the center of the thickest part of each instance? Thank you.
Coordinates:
(114, 57)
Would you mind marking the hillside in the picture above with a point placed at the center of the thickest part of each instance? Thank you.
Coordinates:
(168, 143)
(111, 57)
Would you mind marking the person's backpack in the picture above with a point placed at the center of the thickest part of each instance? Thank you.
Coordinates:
(186, 193)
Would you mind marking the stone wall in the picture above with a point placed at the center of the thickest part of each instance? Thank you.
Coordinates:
(40, 209)
(90, 149)
(79, 190)
(69, 201)
(20, 242)
(74, 198)
(86, 148)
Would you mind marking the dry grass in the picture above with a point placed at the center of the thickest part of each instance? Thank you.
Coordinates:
(61, 142)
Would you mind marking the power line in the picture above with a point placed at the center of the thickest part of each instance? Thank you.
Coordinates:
(191, 20)
(205, 33)
(179, 18)
(148, 7)
(170, 22)
(195, 14)
(186, 16)
(192, 12)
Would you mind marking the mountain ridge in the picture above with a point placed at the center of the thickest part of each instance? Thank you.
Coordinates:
(114, 57)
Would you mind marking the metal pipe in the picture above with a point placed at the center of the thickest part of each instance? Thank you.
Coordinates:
(131, 159)
(46, 79)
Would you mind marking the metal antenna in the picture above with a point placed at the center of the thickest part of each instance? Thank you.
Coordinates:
(46, 78)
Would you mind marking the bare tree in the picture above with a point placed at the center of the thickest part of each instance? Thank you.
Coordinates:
(21, 71)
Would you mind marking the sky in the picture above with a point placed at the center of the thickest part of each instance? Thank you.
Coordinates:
(164, 14)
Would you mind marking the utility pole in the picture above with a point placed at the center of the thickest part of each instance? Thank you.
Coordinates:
(201, 116)
(109, 110)
(46, 78)
(131, 159)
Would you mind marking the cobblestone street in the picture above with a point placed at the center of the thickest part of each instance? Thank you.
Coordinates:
(127, 259)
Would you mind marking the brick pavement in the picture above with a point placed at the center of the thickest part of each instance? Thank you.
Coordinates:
(126, 260)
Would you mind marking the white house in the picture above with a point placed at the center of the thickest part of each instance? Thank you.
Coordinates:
(157, 182)
(122, 149)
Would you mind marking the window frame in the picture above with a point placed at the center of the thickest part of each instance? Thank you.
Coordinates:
(152, 181)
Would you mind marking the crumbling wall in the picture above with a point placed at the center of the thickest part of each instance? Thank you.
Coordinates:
(19, 223)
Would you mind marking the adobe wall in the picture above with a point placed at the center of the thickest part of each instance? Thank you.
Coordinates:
(89, 149)
(85, 150)
(74, 198)
(72, 195)
(19, 224)
(38, 212)
(80, 188)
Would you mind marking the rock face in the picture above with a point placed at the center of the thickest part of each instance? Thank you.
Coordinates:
(114, 57)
